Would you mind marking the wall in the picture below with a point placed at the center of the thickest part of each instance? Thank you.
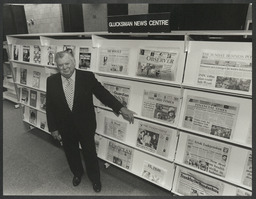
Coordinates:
(47, 18)
(134, 9)
(95, 17)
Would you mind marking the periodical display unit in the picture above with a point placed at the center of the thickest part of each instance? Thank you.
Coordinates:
(192, 100)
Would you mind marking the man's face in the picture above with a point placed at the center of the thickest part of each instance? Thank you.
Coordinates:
(66, 65)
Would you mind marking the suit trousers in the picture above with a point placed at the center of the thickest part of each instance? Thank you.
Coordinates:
(71, 139)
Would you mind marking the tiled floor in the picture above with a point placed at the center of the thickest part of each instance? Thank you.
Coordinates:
(34, 165)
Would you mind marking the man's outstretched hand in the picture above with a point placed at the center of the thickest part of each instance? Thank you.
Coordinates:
(127, 114)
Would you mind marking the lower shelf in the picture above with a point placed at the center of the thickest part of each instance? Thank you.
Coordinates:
(10, 97)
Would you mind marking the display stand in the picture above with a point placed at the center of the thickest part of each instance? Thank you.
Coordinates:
(9, 79)
(176, 87)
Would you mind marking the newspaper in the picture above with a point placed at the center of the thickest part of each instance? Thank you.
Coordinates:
(195, 184)
(211, 116)
(153, 173)
(154, 139)
(120, 155)
(247, 173)
(160, 106)
(211, 157)
(114, 60)
(115, 128)
(243, 192)
(227, 70)
(120, 92)
(158, 64)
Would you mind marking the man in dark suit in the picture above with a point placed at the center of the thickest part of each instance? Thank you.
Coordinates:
(71, 117)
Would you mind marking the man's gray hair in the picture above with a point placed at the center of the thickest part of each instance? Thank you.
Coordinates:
(61, 54)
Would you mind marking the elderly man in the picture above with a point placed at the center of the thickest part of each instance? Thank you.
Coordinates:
(71, 117)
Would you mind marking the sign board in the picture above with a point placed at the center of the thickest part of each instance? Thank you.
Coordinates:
(159, 22)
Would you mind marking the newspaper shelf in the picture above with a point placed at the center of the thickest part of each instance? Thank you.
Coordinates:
(32, 107)
(36, 126)
(137, 148)
(30, 87)
(10, 98)
(139, 79)
(192, 87)
(28, 63)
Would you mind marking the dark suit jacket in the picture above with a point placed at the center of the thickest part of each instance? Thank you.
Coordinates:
(60, 117)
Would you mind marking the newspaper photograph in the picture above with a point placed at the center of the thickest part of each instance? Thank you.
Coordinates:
(120, 154)
(195, 184)
(154, 139)
(243, 192)
(153, 173)
(158, 64)
(160, 106)
(115, 129)
(114, 60)
(227, 70)
(120, 92)
(211, 116)
(209, 156)
(247, 173)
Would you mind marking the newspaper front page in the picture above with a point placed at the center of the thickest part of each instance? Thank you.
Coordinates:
(211, 157)
(160, 106)
(243, 192)
(158, 64)
(115, 128)
(211, 116)
(247, 173)
(154, 139)
(153, 173)
(114, 60)
(120, 92)
(195, 184)
(120, 154)
(227, 70)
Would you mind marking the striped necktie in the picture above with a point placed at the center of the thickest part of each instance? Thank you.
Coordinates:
(69, 93)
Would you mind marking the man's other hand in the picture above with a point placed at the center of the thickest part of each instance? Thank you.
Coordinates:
(56, 135)
(127, 114)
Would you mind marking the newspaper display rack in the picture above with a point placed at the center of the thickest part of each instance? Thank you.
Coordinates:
(187, 94)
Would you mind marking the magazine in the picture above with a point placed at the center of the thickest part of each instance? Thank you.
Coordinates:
(84, 58)
(114, 60)
(36, 79)
(33, 116)
(43, 101)
(120, 92)
(51, 51)
(24, 95)
(247, 173)
(42, 121)
(206, 155)
(26, 53)
(192, 183)
(120, 154)
(33, 98)
(225, 70)
(37, 54)
(70, 49)
(23, 76)
(160, 106)
(211, 116)
(154, 139)
(115, 128)
(16, 52)
(157, 64)
(153, 173)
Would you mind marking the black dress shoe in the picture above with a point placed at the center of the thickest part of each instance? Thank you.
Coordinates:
(76, 180)
(97, 187)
